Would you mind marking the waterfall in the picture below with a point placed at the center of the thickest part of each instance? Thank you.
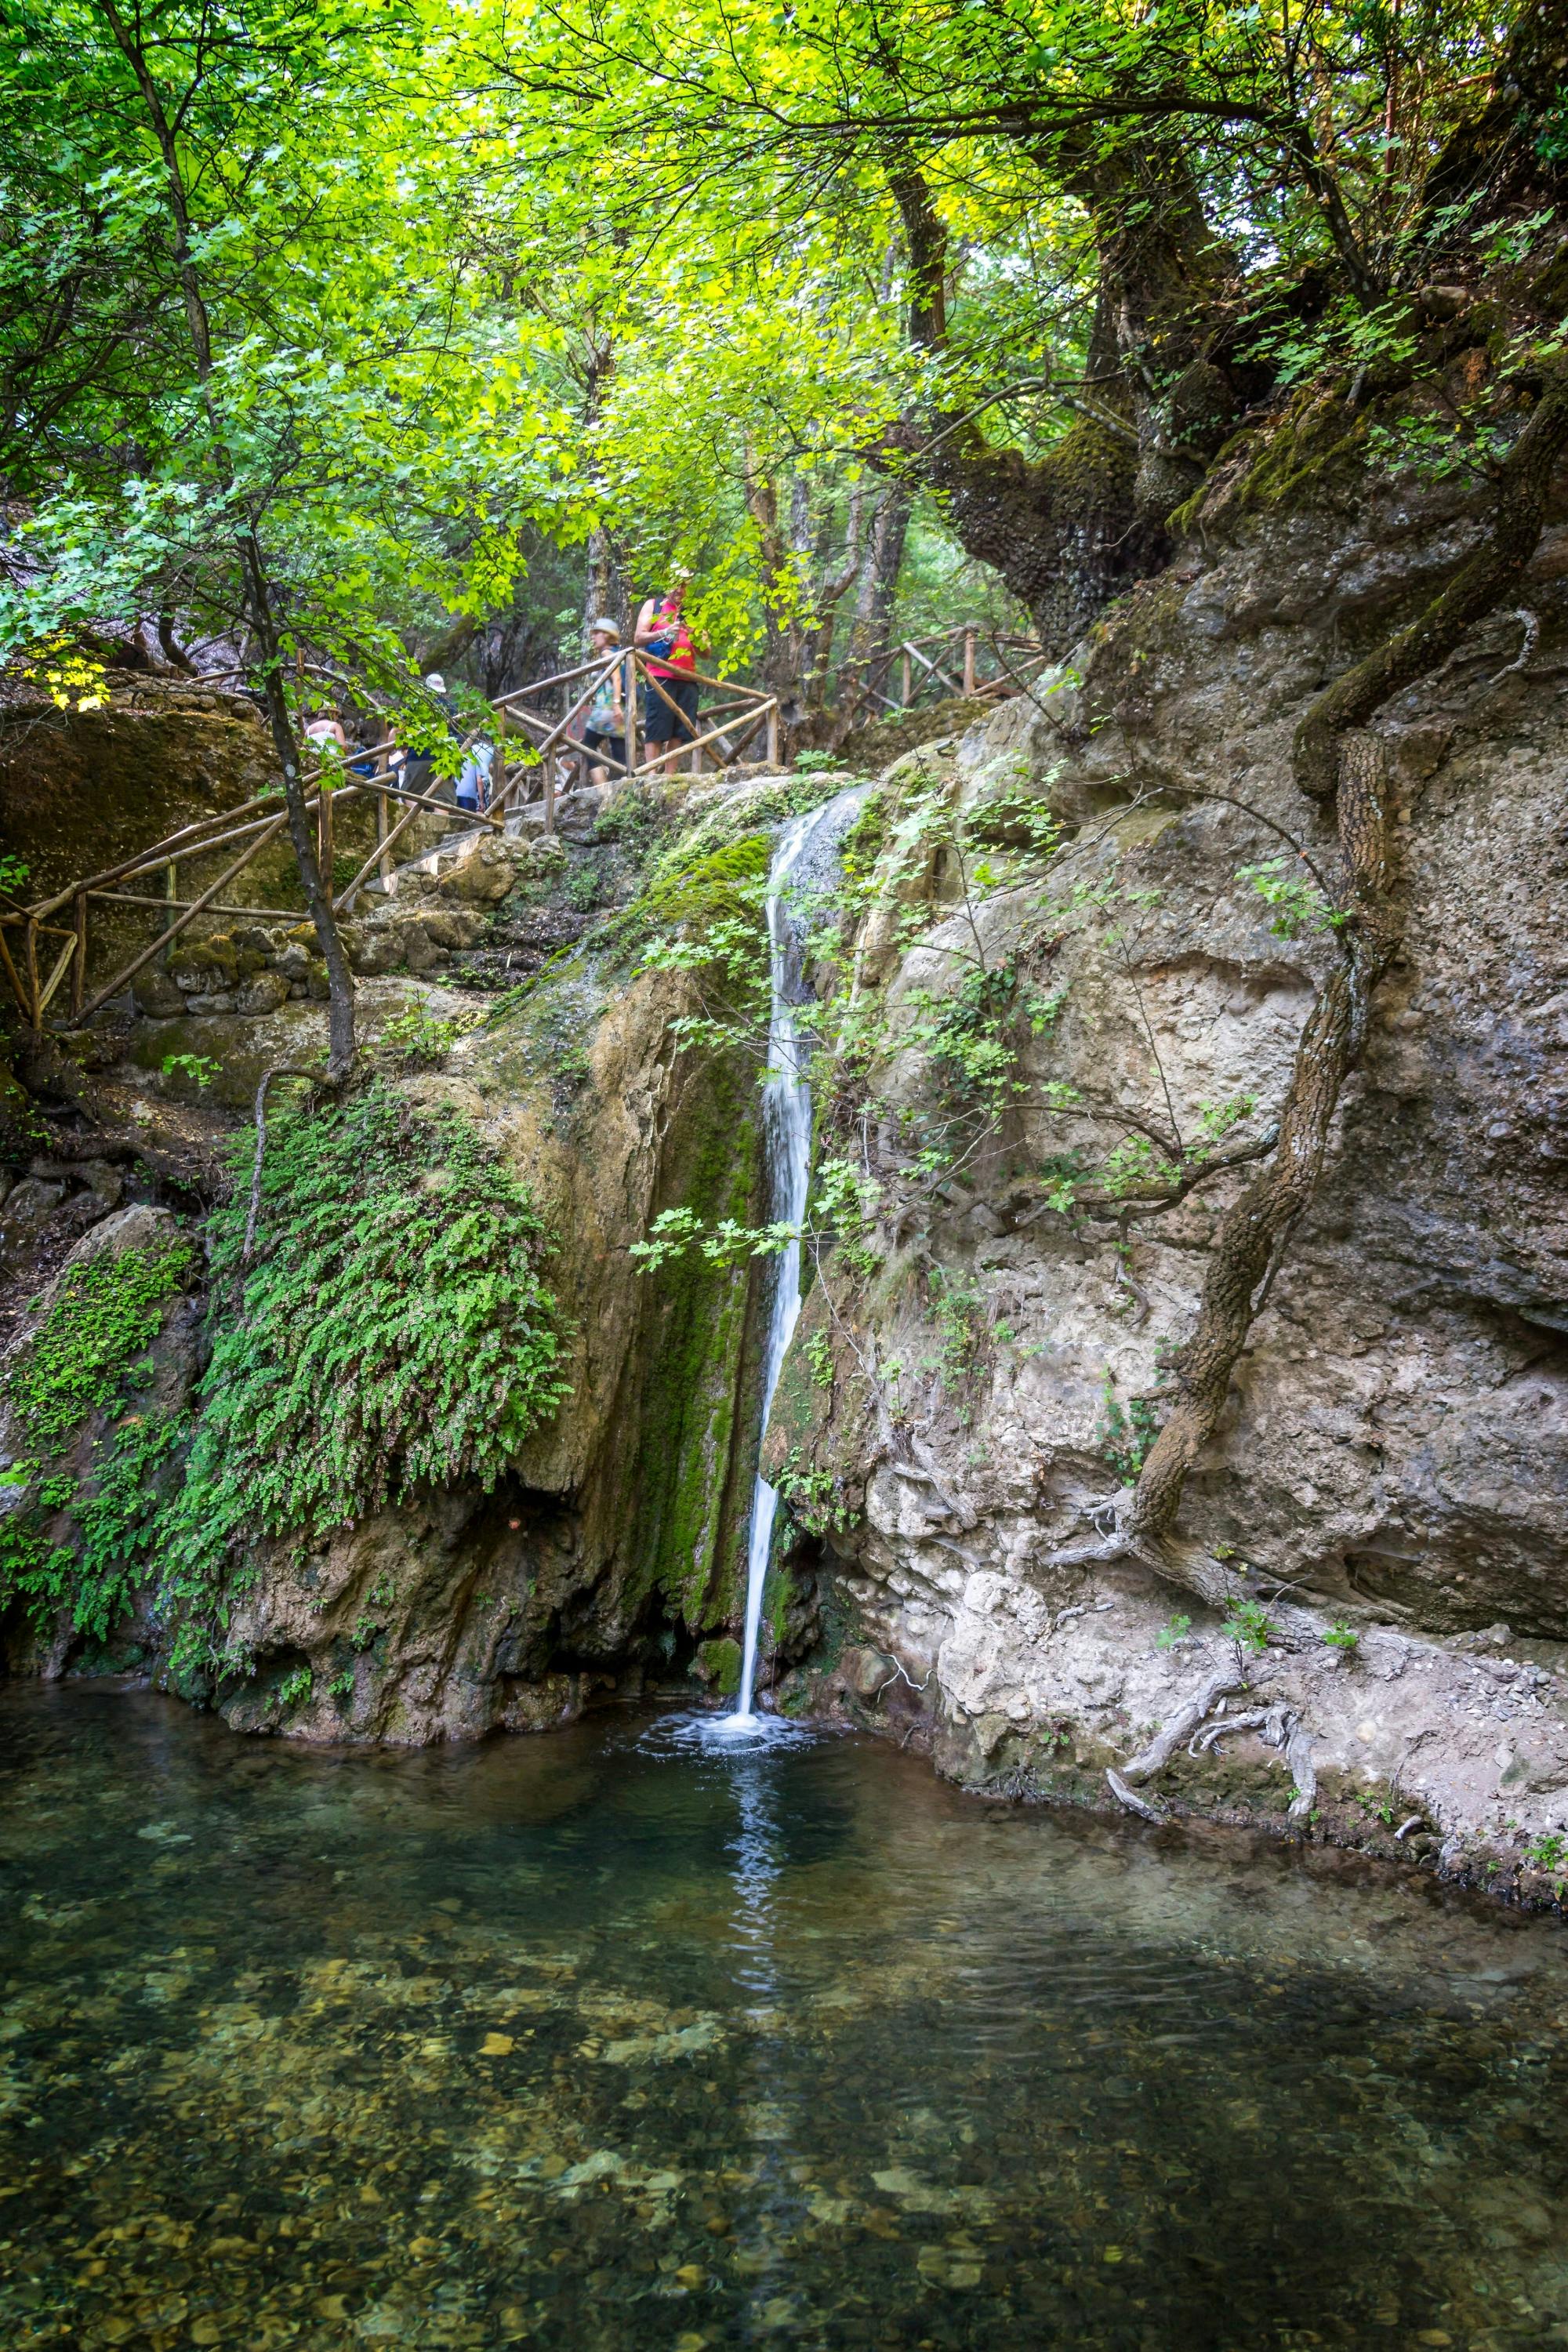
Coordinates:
(786, 1147)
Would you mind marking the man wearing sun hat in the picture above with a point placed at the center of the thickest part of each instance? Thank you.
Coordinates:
(605, 728)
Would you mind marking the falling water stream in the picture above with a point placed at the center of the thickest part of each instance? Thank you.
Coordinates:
(786, 1143)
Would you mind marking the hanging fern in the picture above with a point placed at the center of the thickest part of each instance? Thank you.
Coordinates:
(393, 1331)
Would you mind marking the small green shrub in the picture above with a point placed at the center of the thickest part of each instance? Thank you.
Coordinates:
(1298, 906)
(583, 889)
(1250, 1624)
(956, 1309)
(1548, 1851)
(418, 1039)
(200, 1068)
(1175, 1631)
(296, 1688)
(1341, 1636)
(1126, 1431)
(815, 1500)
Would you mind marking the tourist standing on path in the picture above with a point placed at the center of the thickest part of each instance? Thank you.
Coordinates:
(419, 767)
(605, 728)
(671, 654)
(325, 733)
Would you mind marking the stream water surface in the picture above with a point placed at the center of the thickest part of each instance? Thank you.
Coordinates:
(602, 2041)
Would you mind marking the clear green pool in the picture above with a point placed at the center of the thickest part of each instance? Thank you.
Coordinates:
(589, 2042)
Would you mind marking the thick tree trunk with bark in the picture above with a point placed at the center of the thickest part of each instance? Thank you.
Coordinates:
(1071, 529)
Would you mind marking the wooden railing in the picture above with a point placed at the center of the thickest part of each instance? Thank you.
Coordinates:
(44, 945)
(967, 659)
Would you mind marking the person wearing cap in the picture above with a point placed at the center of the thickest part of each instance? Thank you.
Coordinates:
(605, 728)
(418, 768)
(670, 656)
(324, 731)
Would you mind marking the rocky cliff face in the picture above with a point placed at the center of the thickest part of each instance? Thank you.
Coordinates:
(1395, 1460)
(614, 1555)
(977, 1377)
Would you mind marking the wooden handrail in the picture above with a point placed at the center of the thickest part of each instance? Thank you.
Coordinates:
(329, 785)
(131, 968)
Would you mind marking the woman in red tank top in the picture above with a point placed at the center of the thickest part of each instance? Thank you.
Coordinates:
(671, 656)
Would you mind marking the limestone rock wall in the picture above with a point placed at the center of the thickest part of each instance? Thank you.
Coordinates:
(614, 1552)
(1395, 1457)
(616, 1548)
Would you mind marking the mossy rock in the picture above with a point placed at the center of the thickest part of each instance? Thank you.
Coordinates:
(719, 1661)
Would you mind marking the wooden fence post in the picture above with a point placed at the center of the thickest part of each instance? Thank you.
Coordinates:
(904, 681)
(171, 892)
(385, 858)
(548, 764)
(79, 969)
(773, 734)
(969, 661)
(631, 701)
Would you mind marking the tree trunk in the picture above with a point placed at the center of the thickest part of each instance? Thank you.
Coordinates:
(1501, 159)
(1071, 529)
(258, 615)
(318, 888)
(876, 596)
(1062, 531)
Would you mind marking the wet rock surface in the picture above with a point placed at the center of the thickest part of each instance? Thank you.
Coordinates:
(1394, 1462)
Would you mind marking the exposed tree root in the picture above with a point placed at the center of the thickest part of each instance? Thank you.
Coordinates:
(1183, 1723)
(1197, 1725)
(1270, 1722)
(1479, 584)
(1303, 1771)
(1133, 1802)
